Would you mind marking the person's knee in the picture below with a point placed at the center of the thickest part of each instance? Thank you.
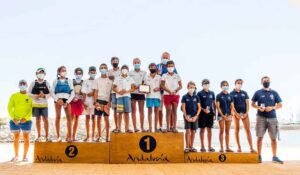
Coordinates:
(259, 139)
(16, 136)
(274, 141)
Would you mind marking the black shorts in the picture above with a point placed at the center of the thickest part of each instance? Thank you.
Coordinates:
(138, 97)
(206, 121)
(38, 112)
(190, 125)
(63, 99)
(101, 113)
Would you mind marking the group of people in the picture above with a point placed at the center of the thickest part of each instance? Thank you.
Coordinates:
(126, 91)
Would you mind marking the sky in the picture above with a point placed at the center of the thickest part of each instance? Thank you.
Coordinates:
(214, 39)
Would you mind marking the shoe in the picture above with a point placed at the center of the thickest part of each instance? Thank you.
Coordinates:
(212, 150)
(25, 160)
(277, 160)
(187, 150)
(15, 159)
(193, 150)
(203, 150)
(259, 159)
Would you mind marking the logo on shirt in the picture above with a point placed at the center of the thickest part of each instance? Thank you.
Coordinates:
(210, 96)
(243, 95)
(195, 99)
(272, 97)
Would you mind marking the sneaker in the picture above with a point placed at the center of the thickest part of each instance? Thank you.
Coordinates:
(277, 160)
(25, 160)
(15, 159)
(259, 159)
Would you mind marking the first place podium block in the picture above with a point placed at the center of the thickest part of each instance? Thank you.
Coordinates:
(75, 152)
(146, 148)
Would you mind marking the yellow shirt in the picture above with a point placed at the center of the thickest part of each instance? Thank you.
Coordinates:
(20, 106)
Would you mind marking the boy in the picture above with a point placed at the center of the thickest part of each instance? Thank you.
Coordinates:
(20, 111)
(39, 91)
(88, 101)
(191, 109)
(102, 87)
(138, 76)
(171, 84)
(123, 86)
(153, 98)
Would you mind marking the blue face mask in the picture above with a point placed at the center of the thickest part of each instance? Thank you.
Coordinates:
(93, 76)
(78, 77)
(164, 61)
(225, 88)
(103, 71)
(137, 66)
(23, 88)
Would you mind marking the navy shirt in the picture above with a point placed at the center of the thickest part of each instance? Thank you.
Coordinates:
(225, 103)
(239, 100)
(207, 99)
(269, 98)
(191, 104)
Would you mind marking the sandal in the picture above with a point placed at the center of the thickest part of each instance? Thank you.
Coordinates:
(229, 151)
(129, 131)
(194, 150)
(58, 139)
(187, 150)
(239, 150)
(15, 159)
(98, 140)
(221, 151)
(116, 131)
(203, 150)
(212, 150)
(48, 140)
(86, 139)
(137, 130)
(39, 139)
(253, 151)
(174, 130)
(25, 160)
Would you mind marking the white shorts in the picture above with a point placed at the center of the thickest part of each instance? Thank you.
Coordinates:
(89, 111)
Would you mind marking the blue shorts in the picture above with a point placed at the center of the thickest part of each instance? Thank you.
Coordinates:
(37, 112)
(124, 104)
(24, 127)
(152, 102)
(113, 101)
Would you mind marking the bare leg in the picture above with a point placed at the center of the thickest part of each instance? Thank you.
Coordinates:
(46, 126)
(160, 118)
(69, 121)
(237, 132)
(227, 133)
(141, 104)
(26, 144)
(116, 118)
(274, 147)
(187, 138)
(87, 126)
(246, 123)
(93, 126)
(16, 143)
(150, 119)
(156, 114)
(119, 121)
(209, 137)
(57, 119)
(168, 118)
(259, 145)
(221, 133)
(38, 126)
(174, 115)
(193, 132)
(75, 127)
(202, 132)
(99, 126)
(133, 114)
(126, 119)
(106, 120)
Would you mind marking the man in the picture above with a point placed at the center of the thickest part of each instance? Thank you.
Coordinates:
(138, 76)
(39, 91)
(171, 84)
(241, 112)
(207, 115)
(267, 101)
(88, 101)
(20, 111)
(112, 75)
(161, 70)
(123, 86)
(102, 87)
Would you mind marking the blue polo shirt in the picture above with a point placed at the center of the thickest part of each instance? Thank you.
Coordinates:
(191, 104)
(225, 102)
(207, 99)
(269, 98)
(239, 100)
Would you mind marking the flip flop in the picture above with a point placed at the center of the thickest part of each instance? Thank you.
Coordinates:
(203, 150)
(212, 150)
(137, 130)
(187, 150)
(229, 151)
(193, 150)
(129, 131)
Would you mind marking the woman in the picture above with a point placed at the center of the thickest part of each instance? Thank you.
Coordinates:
(63, 94)
(224, 106)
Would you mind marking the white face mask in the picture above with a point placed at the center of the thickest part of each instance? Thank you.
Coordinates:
(191, 90)
(40, 76)
(206, 86)
(170, 69)
(238, 86)
(63, 74)
(225, 88)
(124, 71)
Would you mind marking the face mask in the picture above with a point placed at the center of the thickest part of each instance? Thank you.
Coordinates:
(115, 65)
(191, 90)
(238, 86)
(41, 76)
(225, 88)
(63, 74)
(124, 71)
(206, 86)
(164, 61)
(103, 71)
(78, 77)
(170, 69)
(23, 88)
(266, 84)
(93, 76)
(137, 66)
(153, 71)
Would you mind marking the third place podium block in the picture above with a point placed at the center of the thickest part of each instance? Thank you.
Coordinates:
(146, 148)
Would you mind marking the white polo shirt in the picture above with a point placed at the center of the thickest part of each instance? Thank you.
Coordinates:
(138, 77)
(87, 87)
(153, 83)
(104, 87)
(123, 83)
(115, 74)
(171, 82)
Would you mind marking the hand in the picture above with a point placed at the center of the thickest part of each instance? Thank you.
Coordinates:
(156, 89)
(206, 111)
(75, 99)
(215, 117)
(97, 105)
(23, 120)
(261, 109)
(236, 115)
(194, 119)
(60, 102)
(269, 108)
(86, 106)
(244, 116)
(16, 122)
(91, 94)
(229, 118)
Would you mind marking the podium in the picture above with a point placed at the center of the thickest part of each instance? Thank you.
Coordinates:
(220, 157)
(75, 152)
(147, 148)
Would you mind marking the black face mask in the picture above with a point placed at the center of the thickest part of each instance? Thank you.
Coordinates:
(266, 84)
(153, 71)
(115, 65)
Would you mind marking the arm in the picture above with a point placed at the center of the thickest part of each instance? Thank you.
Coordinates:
(10, 108)
(30, 91)
(219, 109)
(163, 86)
(184, 112)
(179, 87)
(53, 91)
(72, 95)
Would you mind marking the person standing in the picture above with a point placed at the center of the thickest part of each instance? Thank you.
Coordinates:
(20, 112)
(267, 101)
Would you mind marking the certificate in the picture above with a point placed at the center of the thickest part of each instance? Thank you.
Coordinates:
(144, 89)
